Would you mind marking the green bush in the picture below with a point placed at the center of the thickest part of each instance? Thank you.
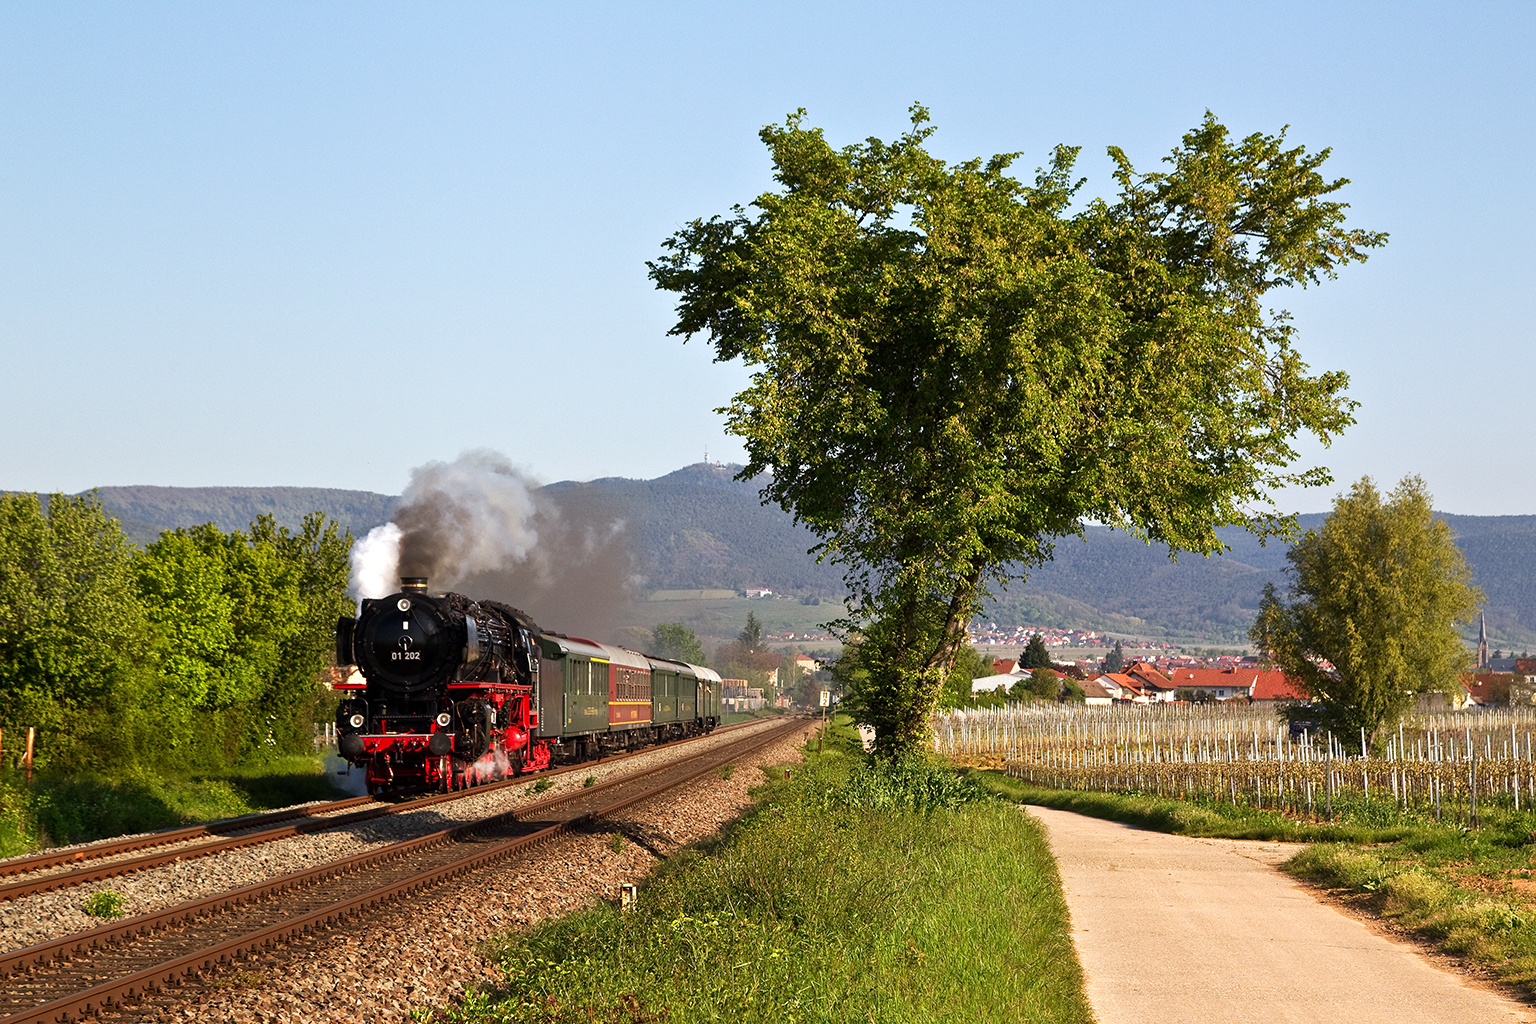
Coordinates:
(105, 903)
(914, 784)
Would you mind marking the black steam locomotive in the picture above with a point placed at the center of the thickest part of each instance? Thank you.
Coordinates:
(456, 692)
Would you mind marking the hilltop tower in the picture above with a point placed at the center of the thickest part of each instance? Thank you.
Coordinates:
(1482, 639)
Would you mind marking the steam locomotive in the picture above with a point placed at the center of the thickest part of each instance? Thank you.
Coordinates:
(458, 692)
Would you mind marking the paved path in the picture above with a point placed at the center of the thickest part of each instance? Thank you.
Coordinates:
(1172, 929)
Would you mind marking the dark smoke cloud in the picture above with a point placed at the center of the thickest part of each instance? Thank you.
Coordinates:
(481, 527)
(474, 514)
(582, 581)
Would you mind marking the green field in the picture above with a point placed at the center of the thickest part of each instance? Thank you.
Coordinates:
(718, 619)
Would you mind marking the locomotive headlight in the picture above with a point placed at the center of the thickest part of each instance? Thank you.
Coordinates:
(443, 720)
(356, 721)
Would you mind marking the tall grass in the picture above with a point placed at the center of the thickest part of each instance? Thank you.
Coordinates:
(1354, 822)
(851, 893)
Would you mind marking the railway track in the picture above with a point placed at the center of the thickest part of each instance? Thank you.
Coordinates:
(102, 968)
(95, 862)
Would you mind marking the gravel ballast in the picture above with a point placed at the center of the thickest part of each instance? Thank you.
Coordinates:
(425, 953)
(50, 915)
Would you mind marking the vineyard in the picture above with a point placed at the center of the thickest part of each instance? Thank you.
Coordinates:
(1436, 763)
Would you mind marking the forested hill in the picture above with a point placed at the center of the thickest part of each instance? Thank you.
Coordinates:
(146, 511)
(699, 528)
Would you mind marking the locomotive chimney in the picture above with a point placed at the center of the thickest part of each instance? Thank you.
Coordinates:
(416, 584)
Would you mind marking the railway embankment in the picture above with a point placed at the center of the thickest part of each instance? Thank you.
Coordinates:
(428, 931)
(47, 915)
(59, 809)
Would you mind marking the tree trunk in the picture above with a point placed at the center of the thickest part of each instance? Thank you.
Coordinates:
(916, 676)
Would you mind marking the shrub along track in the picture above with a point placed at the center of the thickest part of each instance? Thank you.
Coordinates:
(115, 855)
(83, 973)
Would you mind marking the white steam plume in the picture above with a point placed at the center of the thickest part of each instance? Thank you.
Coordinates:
(473, 515)
(375, 562)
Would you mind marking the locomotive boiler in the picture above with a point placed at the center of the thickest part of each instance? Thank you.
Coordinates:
(458, 692)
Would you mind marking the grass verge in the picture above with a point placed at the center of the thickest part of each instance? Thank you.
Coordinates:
(1469, 892)
(849, 893)
(59, 809)
(1353, 823)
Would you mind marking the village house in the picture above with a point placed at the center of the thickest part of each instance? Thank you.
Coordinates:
(738, 695)
(1149, 681)
(1230, 682)
(1095, 693)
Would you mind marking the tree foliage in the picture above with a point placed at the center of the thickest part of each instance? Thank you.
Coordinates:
(953, 367)
(676, 641)
(969, 665)
(73, 633)
(1115, 660)
(751, 636)
(1371, 616)
(1035, 653)
(1044, 682)
(195, 651)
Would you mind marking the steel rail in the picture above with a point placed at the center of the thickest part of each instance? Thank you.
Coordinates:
(110, 847)
(84, 875)
(109, 993)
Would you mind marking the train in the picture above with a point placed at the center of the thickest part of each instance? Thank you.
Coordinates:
(457, 692)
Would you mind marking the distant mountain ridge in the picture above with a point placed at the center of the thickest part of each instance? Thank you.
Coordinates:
(698, 527)
(146, 511)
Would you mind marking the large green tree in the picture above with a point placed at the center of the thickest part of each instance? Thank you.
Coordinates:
(1035, 653)
(73, 633)
(676, 641)
(1374, 599)
(952, 367)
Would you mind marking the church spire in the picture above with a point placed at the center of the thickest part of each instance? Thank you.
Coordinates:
(1482, 639)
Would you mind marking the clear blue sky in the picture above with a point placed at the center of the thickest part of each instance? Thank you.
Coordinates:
(319, 244)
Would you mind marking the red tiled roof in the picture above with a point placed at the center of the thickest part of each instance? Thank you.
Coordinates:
(1003, 666)
(1271, 685)
(1276, 685)
(1485, 687)
(1148, 676)
(1213, 678)
(1124, 681)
